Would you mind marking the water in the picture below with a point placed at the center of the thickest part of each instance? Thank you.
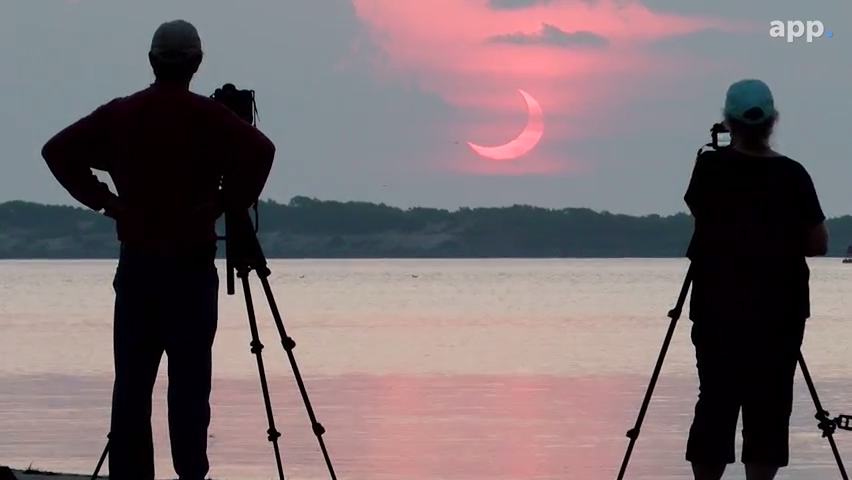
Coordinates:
(420, 370)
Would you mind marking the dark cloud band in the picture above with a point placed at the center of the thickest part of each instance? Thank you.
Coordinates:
(552, 36)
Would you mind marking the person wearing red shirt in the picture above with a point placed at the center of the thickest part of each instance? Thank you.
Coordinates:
(166, 150)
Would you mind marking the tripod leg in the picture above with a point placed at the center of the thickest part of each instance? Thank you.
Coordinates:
(674, 314)
(256, 349)
(289, 344)
(101, 461)
(825, 423)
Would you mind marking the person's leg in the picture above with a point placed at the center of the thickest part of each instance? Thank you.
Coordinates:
(137, 348)
(710, 447)
(191, 330)
(768, 400)
(756, 471)
(708, 472)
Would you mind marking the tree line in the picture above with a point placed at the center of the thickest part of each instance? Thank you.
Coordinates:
(311, 228)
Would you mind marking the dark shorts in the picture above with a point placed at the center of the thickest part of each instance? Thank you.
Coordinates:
(748, 365)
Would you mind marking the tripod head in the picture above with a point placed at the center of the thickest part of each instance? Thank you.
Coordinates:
(242, 249)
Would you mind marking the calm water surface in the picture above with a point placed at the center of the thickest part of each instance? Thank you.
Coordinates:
(419, 370)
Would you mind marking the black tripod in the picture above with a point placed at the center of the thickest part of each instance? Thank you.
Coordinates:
(826, 424)
(243, 254)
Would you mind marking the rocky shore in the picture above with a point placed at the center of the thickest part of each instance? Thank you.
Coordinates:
(32, 474)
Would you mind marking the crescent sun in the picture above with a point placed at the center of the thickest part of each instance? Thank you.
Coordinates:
(524, 142)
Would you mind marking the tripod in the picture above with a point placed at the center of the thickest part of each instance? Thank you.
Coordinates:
(243, 255)
(826, 424)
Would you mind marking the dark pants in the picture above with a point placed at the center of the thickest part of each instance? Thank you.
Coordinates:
(166, 305)
(748, 365)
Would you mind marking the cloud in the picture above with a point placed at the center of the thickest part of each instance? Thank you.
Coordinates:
(522, 4)
(367, 99)
(516, 4)
(553, 36)
(342, 126)
(579, 80)
(711, 49)
(761, 11)
(711, 42)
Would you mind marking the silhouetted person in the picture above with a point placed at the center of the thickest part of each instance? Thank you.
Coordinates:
(757, 217)
(166, 150)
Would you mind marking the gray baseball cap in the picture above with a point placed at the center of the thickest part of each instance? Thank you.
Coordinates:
(175, 40)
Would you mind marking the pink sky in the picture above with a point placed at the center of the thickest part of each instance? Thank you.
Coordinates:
(442, 44)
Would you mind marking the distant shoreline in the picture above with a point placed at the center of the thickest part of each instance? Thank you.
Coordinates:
(307, 228)
(79, 259)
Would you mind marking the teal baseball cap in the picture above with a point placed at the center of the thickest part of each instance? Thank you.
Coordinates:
(749, 101)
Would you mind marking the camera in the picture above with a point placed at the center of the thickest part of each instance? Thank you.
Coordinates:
(717, 130)
(241, 102)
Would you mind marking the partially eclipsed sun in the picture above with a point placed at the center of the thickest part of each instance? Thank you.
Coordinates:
(524, 142)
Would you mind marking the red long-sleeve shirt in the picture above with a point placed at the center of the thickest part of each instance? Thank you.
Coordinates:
(166, 150)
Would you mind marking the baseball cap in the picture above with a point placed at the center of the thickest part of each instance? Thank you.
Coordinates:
(749, 101)
(176, 40)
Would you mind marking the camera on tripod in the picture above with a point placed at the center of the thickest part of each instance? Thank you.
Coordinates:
(241, 102)
(244, 254)
(241, 244)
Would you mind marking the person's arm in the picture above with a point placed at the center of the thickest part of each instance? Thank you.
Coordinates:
(817, 245)
(72, 154)
(694, 199)
(695, 196)
(812, 217)
(247, 162)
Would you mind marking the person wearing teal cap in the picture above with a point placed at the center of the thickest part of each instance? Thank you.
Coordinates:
(757, 217)
(750, 102)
